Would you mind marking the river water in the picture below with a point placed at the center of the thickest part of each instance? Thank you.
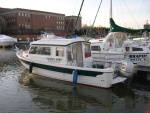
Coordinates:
(21, 92)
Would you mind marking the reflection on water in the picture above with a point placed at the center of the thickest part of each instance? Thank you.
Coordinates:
(22, 92)
(63, 96)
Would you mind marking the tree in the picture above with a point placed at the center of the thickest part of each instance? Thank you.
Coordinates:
(3, 25)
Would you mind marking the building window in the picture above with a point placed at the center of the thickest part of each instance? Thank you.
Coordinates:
(28, 15)
(19, 14)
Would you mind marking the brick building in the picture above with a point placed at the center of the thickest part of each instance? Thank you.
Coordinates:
(70, 22)
(147, 26)
(31, 22)
(23, 21)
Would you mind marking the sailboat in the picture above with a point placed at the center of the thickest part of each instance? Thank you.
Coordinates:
(117, 48)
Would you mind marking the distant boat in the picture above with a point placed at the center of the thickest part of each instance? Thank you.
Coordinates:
(7, 40)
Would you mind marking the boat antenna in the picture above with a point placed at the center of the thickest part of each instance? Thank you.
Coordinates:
(73, 31)
(95, 17)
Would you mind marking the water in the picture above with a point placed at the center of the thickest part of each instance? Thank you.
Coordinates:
(21, 92)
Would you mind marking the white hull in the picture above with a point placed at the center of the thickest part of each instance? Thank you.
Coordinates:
(105, 80)
(7, 43)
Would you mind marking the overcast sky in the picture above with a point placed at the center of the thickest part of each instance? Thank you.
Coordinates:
(126, 13)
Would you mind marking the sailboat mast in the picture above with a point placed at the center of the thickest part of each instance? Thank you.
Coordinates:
(73, 31)
(95, 17)
(110, 9)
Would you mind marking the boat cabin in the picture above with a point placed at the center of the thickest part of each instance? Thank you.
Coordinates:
(71, 52)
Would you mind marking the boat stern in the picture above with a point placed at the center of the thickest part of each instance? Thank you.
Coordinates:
(118, 80)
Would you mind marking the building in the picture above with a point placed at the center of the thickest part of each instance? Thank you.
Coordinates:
(2, 10)
(147, 26)
(25, 22)
(70, 22)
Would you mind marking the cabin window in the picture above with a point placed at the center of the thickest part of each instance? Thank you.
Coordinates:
(137, 49)
(69, 54)
(95, 48)
(60, 51)
(110, 39)
(87, 50)
(40, 50)
(46, 51)
(119, 39)
(33, 50)
(74, 51)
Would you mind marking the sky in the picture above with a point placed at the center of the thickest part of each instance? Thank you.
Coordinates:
(126, 13)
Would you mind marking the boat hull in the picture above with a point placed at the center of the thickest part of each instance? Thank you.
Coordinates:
(102, 80)
(80, 75)
(10, 43)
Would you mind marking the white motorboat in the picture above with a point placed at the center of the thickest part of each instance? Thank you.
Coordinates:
(68, 60)
(7, 40)
(116, 47)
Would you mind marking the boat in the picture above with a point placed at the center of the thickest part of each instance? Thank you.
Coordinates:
(7, 40)
(117, 48)
(67, 60)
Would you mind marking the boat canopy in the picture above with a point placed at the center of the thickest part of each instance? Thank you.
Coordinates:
(57, 41)
(115, 28)
(116, 38)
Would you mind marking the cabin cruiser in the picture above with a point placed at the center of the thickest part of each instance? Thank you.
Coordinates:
(7, 40)
(116, 47)
(67, 60)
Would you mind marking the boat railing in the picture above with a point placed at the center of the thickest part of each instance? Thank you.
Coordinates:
(90, 64)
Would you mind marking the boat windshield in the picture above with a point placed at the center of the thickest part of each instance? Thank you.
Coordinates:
(116, 38)
(119, 39)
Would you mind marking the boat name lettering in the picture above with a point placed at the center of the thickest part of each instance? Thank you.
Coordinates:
(54, 60)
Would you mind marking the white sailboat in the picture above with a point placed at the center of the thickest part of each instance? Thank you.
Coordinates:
(116, 46)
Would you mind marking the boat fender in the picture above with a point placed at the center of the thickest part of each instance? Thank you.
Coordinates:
(74, 76)
(30, 67)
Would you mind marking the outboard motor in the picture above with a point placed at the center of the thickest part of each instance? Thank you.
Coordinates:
(127, 68)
